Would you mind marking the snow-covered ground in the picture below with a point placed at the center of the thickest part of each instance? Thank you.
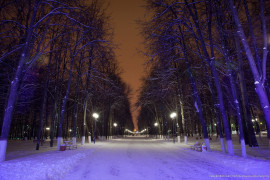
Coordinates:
(25, 163)
(261, 152)
(132, 158)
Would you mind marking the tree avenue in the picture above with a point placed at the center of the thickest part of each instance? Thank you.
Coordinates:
(205, 60)
(58, 68)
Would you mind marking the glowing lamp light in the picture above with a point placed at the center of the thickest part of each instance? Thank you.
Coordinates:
(173, 115)
(156, 124)
(115, 124)
(47, 128)
(95, 115)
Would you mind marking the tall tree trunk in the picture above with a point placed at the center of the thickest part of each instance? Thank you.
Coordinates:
(57, 92)
(225, 50)
(258, 79)
(216, 108)
(195, 94)
(44, 100)
(245, 104)
(182, 118)
(258, 60)
(33, 129)
(211, 62)
(86, 95)
(52, 129)
(59, 136)
(75, 112)
(14, 87)
(84, 118)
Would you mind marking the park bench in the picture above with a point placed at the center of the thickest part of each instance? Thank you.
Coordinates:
(197, 146)
(69, 145)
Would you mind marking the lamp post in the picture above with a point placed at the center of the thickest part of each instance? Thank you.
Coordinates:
(115, 125)
(47, 130)
(173, 115)
(156, 124)
(95, 115)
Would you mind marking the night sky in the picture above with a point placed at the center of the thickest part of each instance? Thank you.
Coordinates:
(124, 14)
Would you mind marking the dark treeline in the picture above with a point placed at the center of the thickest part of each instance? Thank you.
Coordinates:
(207, 62)
(57, 67)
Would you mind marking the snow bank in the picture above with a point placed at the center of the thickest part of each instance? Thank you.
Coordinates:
(49, 165)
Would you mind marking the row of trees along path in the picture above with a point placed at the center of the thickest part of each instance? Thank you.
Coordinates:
(57, 68)
(199, 52)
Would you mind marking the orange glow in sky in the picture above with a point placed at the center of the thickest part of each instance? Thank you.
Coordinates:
(124, 13)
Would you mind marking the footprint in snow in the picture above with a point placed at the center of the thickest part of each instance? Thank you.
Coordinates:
(114, 171)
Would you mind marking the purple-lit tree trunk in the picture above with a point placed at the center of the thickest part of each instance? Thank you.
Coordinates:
(237, 107)
(79, 44)
(211, 62)
(44, 99)
(56, 92)
(44, 95)
(86, 98)
(195, 94)
(75, 110)
(228, 62)
(251, 134)
(73, 54)
(259, 79)
(244, 97)
(211, 87)
(15, 86)
(59, 135)
(216, 108)
(181, 107)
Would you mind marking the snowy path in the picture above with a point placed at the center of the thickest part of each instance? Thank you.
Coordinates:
(129, 159)
(159, 160)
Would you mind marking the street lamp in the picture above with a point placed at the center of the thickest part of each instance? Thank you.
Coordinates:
(173, 115)
(156, 124)
(95, 115)
(115, 125)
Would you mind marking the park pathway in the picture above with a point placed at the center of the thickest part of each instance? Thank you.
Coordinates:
(142, 158)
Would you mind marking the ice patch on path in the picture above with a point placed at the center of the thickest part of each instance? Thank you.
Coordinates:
(50, 165)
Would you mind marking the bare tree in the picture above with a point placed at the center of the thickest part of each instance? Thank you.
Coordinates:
(259, 78)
